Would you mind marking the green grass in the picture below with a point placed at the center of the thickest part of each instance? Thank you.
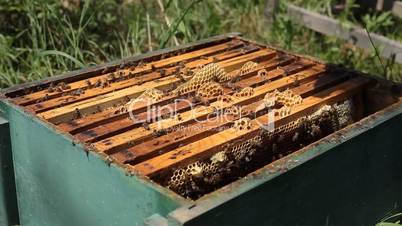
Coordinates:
(47, 37)
(393, 220)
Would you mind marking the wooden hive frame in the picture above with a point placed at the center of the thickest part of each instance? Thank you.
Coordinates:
(95, 107)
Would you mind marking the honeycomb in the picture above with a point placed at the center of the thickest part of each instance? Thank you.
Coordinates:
(343, 110)
(245, 92)
(286, 98)
(186, 179)
(247, 67)
(197, 175)
(185, 175)
(285, 129)
(283, 111)
(246, 149)
(333, 117)
(236, 159)
(218, 157)
(233, 110)
(226, 98)
(152, 94)
(210, 89)
(209, 73)
(242, 124)
(270, 98)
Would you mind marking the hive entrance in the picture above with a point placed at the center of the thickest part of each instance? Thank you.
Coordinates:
(225, 95)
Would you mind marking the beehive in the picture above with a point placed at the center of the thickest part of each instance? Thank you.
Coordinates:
(196, 119)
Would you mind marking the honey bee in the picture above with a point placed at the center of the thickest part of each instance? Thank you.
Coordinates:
(295, 137)
(88, 82)
(162, 72)
(111, 77)
(145, 125)
(256, 143)
(77, 114)
(158, 133)
(50, 89)
(98, 83)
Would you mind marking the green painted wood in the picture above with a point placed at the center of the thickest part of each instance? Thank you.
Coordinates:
(156, 220)
(58, 183)
(8, 199)
(350, 178)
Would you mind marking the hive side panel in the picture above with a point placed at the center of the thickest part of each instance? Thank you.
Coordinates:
(8, 200)
(59, 184)
(357, 182)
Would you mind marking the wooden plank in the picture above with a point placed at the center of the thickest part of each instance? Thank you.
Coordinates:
(122, 140)
(207, 146)
(279, 71)
(356, 35)
(91, 105)
(122, 125)
(68, 99)
(109, 115)
(163, 144)
(83, 84)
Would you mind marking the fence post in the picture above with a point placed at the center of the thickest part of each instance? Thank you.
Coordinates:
(271, 8)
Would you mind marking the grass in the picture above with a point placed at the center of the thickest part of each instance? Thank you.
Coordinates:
(47, 37)
(393, 220)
